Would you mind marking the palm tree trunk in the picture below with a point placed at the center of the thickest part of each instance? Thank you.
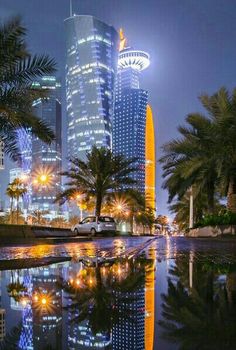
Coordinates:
(231, 195)
(98, 204)
(210, 198)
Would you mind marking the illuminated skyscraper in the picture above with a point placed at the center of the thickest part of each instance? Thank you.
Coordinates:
(129, 331)
(133, 131)
(1, 155)
(91, 63)
(46, 159)
(37, 157)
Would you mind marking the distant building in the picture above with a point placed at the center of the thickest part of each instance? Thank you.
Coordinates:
(91, 63)
(25, 145)
(133, 131)
(15, 173)
(46, 159)
(1, 155)
(38, 159)
(42, 324)
(2, 324)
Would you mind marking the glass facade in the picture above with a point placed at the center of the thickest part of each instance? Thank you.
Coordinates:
(130, 333)
(129, 130)
(91, 62)
(46, 159)
(129, 121)
(1, 155)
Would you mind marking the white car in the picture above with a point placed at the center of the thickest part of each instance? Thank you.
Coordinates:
(92, 225)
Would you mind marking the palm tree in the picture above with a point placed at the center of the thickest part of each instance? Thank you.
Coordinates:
(181, 208)
(127, 206)
(205, 155)
(10, 191)
(103, 289)
(146, 218)
(59, 222)
(203, 316)
(100, 174)
(163, 221)
(221, 108)
(188, 160)
(18, 70)
(38, 217)
(15, 190)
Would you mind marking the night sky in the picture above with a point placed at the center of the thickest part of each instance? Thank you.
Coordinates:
(192, 44)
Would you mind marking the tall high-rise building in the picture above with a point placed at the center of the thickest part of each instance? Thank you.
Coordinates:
(91, 63)
(132, 133)
(1, 155)
(46, 159)
(40, 162)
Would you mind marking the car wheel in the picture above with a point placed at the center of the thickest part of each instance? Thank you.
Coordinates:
(76, 231)
(93, 232)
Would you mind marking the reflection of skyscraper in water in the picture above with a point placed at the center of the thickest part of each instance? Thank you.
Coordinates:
(2, 324)
(42, 324)
(26, 337)
(135, 329)
(128, 333)
(47, 320)
(150, 302)
(2, 314)
(80, 336)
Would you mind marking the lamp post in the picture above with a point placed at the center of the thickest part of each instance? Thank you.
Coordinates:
(191, 207)
(80, 205)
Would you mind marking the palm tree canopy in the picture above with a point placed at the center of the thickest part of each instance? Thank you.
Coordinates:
(205, 154)
(18, 70)
(102, 173)
(16, 189)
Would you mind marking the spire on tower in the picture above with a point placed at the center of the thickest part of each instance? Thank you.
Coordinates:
(123, 40)
(71, 11)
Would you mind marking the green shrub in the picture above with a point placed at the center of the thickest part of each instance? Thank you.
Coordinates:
(226, 218)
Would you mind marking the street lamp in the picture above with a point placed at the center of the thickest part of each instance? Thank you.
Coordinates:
(191, 207)
(78, 197)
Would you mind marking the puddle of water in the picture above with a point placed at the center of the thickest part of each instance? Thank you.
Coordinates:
(175, 295)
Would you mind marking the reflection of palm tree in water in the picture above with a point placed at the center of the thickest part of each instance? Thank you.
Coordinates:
(204, 316)
(15, 288)
(99, 291)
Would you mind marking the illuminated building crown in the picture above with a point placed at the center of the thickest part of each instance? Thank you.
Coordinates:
(130, 58)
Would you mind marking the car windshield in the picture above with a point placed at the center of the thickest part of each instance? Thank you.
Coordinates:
(106, 219)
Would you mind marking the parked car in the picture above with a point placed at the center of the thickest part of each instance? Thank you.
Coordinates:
(92, 225)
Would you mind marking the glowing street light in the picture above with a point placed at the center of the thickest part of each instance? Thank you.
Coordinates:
(44, 301)
(78, 197)
(119, 207)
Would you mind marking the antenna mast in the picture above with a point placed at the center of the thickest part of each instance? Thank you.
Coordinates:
(71, 12)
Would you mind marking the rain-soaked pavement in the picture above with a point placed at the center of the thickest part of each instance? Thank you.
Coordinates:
(120, 294)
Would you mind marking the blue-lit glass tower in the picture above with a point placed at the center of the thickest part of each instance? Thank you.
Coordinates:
(129, 332)
(91, 63)
(46, 159)
(129, 123)
(38, 158)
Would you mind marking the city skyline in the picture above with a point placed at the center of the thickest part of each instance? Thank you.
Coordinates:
(180, 50)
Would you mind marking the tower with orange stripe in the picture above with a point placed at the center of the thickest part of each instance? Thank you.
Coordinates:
(133, 124)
